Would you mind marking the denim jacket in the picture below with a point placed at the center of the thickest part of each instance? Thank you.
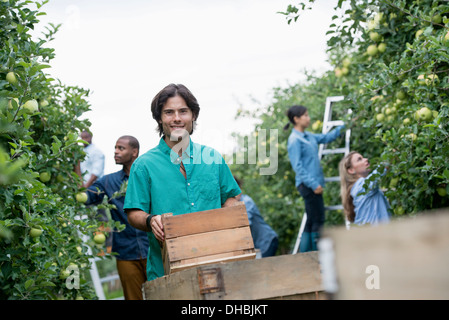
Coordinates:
(303, 154)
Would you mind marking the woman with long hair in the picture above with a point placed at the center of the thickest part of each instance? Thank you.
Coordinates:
(302, 149)
(361, 206)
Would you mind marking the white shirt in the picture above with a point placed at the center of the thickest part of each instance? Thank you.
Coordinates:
(93, 163)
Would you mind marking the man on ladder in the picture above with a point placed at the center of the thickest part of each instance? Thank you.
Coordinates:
(305, 151)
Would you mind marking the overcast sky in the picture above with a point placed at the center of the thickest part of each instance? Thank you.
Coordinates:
(224, 51)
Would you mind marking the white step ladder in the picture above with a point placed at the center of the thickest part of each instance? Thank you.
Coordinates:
(328, 125)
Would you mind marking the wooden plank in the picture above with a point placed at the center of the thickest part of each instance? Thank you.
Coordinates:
(201, 261)
(406, 259)
(317, 295)
(204, 221)
(209, 243)
(177, 286)
(281, 277)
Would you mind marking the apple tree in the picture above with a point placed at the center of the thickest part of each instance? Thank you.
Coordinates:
(396, 54)
(41, 222)
(390, 61)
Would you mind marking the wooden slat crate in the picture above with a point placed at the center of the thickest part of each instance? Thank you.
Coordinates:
(206, 237)
(405, 259)
(288, 277)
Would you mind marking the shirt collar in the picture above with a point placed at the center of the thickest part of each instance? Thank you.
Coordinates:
(188, 153)
(123, 174)
(299, 133)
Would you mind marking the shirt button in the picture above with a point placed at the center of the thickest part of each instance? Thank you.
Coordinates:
(188, 183)
(193, 204)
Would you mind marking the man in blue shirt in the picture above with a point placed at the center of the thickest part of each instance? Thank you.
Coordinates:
(130, 244)
(264, 237)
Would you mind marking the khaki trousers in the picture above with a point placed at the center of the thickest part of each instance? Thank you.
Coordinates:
(133, 274)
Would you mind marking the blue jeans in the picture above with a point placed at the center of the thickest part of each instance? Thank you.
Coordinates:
(271, 251)
(314, 208)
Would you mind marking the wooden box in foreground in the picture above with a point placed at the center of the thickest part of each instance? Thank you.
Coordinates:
(281, 277)
(206, 237)
(405, 259)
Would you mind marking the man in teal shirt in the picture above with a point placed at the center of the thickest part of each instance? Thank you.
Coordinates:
(178, 176)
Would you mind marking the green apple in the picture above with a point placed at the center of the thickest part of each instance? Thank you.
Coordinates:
(372, 50)
(11, 78)
(390, 110)
(374, 36)
(100, 238)
(400, 95)
(60, 178)
(422, 79)
(424, 114)
(338, 72)
(399, 211)
(435, 114)
(372, 24)
(412, 136)
(442, 191)
(382, 47)
(45, 176)
(31, 105)
(346, 62)
(437, 18)
(64, 274)
(446, 37)
(10, 104)
(43, 103)
(419, 33)
(317, 125)
(380, 117)
(406, 121)
(344, 71)
(394, 182)
(81, 197)
(431, 78)
(35, 232)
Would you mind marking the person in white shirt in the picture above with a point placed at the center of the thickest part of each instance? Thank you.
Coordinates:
(92, 168)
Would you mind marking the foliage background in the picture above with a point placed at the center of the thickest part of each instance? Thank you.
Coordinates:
(410, 43)
(384, 81)
(33, 142)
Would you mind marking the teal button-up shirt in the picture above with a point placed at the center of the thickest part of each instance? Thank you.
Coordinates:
(156, 185)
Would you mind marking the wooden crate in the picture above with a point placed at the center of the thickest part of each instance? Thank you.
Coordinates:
(206, 237)
(405, 259)
(286, 277)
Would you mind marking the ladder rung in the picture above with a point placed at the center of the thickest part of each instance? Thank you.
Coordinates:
(334, 123)
(334, 151)
(110, 278)
(332, 179)
(336, 207)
